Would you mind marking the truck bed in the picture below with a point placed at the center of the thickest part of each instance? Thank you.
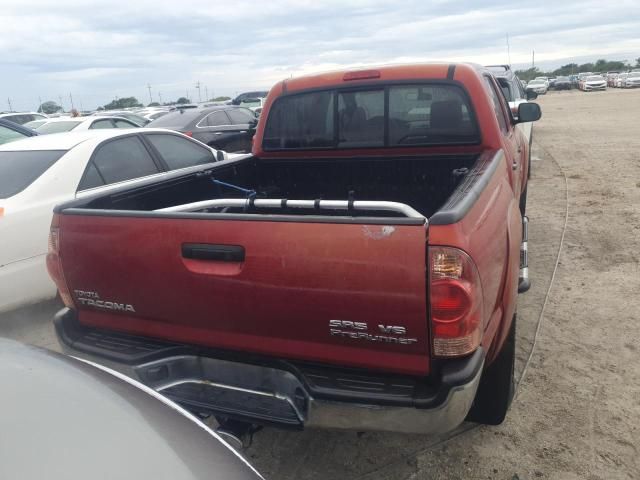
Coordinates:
(424, 183)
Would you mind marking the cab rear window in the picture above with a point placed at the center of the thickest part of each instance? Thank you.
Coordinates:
(391, 116)
(20, 169)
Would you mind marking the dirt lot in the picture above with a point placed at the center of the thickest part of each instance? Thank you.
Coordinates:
(577, 414)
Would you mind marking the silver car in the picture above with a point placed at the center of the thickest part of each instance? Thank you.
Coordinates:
(65, 419)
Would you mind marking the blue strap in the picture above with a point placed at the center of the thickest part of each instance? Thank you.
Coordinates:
(248, 192)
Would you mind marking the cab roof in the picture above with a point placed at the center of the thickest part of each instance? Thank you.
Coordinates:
(376, 74)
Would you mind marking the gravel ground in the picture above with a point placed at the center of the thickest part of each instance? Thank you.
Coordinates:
(577, 413)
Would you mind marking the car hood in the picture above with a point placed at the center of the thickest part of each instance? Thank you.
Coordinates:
(66, 419)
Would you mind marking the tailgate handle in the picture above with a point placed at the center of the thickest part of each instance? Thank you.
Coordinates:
(207, 251)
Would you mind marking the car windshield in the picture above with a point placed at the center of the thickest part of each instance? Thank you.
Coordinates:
(593, 78)
(57, 127)
(536, 82)
(19, 169)
(562, 79)
(410, 114)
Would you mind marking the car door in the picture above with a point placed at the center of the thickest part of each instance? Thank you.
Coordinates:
(118, 160)
(214, 129)
(124, 123)
(177, 151)
(101, 124)
(245, 122)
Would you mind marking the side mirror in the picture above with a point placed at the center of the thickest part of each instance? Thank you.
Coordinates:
(531, 95)
(220, 155)
(528, 112)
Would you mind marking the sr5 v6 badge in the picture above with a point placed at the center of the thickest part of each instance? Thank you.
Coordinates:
(360, 331)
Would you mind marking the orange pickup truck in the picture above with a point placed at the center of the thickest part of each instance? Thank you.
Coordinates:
(359, 270)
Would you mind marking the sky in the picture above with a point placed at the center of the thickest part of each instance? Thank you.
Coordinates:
(97, 50)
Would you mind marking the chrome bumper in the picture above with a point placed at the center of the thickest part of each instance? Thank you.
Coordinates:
(263, 394)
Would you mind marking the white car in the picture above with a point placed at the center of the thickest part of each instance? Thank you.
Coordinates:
(632, 79)
(40, 172)
(77, 124)
(544, 79)
(594, 82)
(538, 86)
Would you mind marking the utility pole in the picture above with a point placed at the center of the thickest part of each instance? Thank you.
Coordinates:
(9, 102)
(71, 98)
(61, 104)
(533, 58)
(508, 50)
(40, 104)
(206, 94)
(198, 87)
(150, 97)
(160, 97)
(187, 97)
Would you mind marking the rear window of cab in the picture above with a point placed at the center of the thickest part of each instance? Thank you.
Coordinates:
(380, 116)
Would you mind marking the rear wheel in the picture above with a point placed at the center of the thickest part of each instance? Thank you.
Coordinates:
(523, 201)
(497, 385)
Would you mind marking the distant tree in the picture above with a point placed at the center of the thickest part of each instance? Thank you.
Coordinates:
(125, 102)
(183, 100)
(153, 104)
(528, 74)
(586, 67)
(638, 62)
(49, 107)
(220, 99)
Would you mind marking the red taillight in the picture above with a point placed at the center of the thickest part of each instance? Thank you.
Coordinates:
(54, 266)
(189, 134)
(361, 75)
(456, 302)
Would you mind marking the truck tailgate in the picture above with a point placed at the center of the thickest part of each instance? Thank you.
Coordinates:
(350, 294)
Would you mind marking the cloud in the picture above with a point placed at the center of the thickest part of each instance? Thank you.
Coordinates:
(98, 50)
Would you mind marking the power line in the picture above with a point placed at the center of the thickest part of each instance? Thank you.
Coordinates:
(150, 97)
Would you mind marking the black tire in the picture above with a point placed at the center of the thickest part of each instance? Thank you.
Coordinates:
(497, 385)
(523, 201)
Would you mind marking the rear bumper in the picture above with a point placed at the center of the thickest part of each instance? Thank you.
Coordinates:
(278, 392)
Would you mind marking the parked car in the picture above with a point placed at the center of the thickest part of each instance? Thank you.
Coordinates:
(582, 77)
(254, 104)
(139, 120)
(65, 419)
(562, 83)
(243, 96)
(10, 131)
(552, 83)
(620, 79)
(574, 81)
(514, 94)
(318, 283)
(544, 79)
(78, 124)
(632, 79)
(22, 117)
(224, 127)
(39, 172)
(594, 82)
(537, 86)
